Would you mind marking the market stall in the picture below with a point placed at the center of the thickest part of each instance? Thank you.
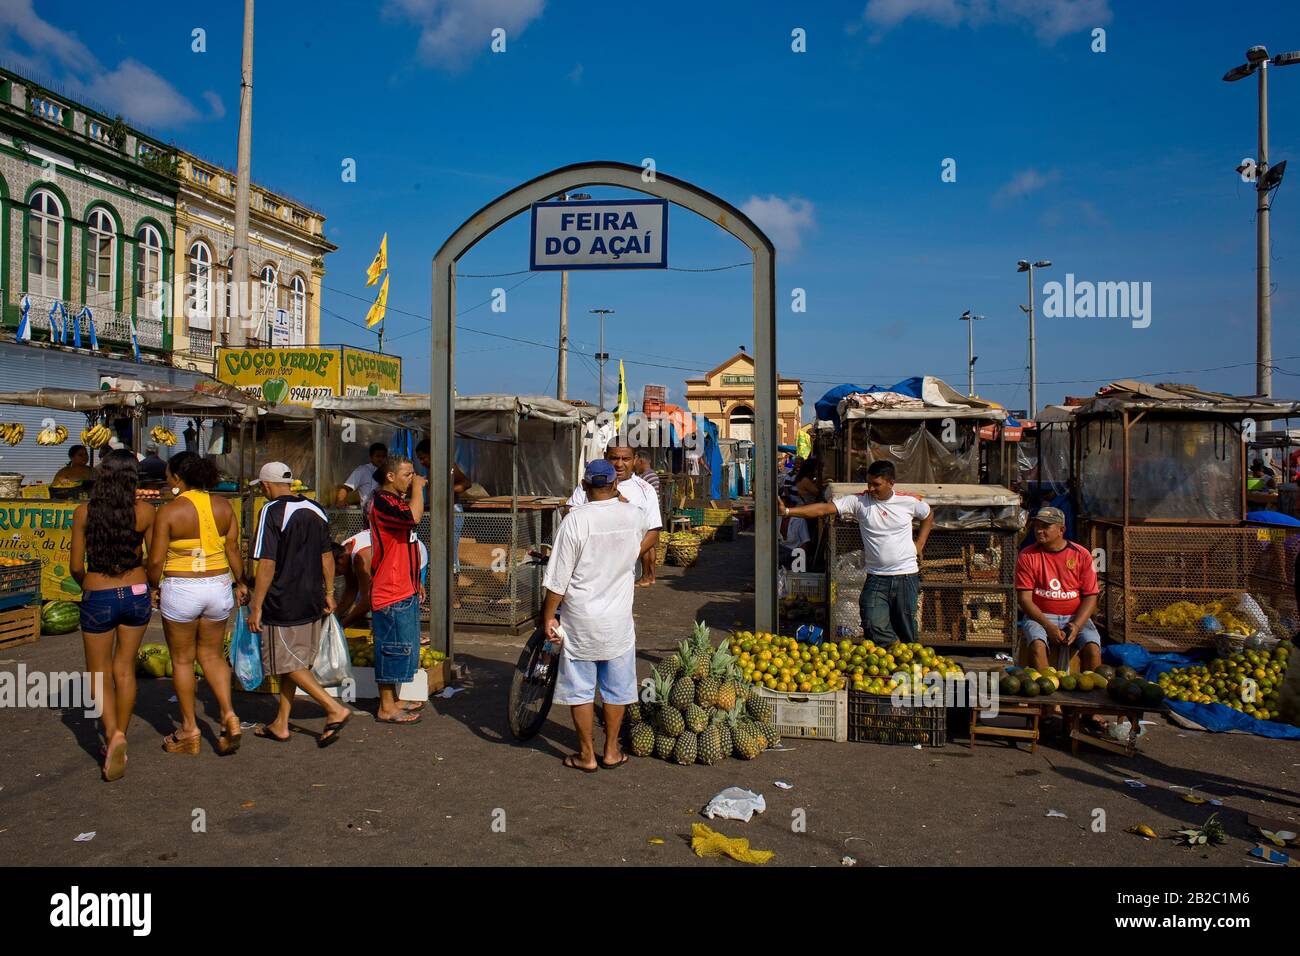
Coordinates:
(522, 451)
(36, 518)
(1160, 472)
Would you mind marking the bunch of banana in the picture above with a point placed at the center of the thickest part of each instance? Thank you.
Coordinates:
(163, 436)
(97, 436)
(12, 433)
(52, 436)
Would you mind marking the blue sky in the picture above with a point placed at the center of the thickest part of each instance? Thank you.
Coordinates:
(1118, 166)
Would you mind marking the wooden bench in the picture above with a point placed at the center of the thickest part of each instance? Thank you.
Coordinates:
(1009, 708)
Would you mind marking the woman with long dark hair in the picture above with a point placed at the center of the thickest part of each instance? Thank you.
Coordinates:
(194, 553)
(106, 560)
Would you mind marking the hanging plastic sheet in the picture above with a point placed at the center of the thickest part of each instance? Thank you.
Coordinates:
(917, 453)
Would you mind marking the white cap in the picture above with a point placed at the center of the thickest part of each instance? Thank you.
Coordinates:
(275, 471)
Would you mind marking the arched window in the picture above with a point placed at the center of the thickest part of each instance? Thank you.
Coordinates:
(298, 311)
(741, 423)
(264, 316)
(199, 293)
(148, 272)
(45, 245)
(101, 234)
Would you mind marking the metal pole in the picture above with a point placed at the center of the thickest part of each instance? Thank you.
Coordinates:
(1033, 350)
(1263, 306)
(602, 361)
(242, 298)
(970, 356)
(562, 375)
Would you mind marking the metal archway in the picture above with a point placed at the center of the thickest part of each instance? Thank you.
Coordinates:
(443, 375)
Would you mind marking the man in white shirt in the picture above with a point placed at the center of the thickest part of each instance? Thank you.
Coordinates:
(889, 598)
(362, 479)
(635, 491)
(592, 570)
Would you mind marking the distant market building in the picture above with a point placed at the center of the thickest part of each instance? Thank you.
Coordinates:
(725, 395)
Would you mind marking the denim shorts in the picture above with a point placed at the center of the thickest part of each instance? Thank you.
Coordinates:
(577, 680)
(1034, 631)
(105, 610)
(396, 629)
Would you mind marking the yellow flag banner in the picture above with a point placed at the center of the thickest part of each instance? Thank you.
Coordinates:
(376, 313)
(379, 264)
(620, 410)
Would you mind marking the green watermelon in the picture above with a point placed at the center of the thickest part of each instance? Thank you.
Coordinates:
(60, 617)
(1009, 686)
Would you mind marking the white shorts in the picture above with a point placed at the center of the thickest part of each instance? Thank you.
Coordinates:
(184, 600)
(576, 681)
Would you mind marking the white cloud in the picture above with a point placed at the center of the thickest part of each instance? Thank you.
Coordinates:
(784, 220)
(1023, 183)
(131, 88)
(1049, 19)
(215, 106)
(453, 32)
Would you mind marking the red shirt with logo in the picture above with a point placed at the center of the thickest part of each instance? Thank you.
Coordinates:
(395, 560)
(1059, 580)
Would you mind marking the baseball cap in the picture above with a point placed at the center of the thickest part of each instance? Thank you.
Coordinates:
(599, 474)
(276, 471)
(1050, 516)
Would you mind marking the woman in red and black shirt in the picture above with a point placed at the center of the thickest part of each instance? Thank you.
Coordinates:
(395, 590)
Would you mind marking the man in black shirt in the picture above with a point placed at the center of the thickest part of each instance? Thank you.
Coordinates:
(152, 468)
(292, 594)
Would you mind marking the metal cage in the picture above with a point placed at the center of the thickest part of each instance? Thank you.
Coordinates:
(1147, 568)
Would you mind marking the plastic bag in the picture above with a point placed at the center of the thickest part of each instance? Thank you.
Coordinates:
(333, 664)
(735, 803)
(245, 652)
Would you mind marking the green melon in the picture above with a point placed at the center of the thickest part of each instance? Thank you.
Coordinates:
(1069, 682)
(1030, 688)
(60, 617)
(1045, 686)
(1009, 686)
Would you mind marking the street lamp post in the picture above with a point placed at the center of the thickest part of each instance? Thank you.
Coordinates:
(1024, 265)
(970, 321)
(1258, 61)
(602, 356)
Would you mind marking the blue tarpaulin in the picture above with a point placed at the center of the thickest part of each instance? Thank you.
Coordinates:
(1213, 717)
(1274, 518)
(713, 459)
(829, 404)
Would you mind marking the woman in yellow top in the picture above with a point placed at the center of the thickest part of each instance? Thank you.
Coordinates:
(107, 534)
(194, 552)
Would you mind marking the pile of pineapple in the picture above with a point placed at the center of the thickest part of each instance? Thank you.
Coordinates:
(701, 711)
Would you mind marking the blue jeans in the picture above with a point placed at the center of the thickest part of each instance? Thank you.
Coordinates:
(396, 629)
(888, 606)
(106, 610)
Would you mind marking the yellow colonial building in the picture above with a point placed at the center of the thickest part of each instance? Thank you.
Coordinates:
(286, 260)
(725, 396)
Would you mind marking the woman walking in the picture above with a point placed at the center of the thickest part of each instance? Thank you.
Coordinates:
(194, 552)
(107, 561)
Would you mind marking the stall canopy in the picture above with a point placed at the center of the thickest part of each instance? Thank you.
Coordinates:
(546, 432)
(920, 396)
(204, 399)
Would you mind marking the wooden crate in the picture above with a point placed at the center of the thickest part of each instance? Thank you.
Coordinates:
(20, 626)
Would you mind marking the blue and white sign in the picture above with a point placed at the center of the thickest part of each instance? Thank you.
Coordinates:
(599, 234)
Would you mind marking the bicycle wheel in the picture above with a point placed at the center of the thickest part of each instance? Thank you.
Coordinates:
(531, 692)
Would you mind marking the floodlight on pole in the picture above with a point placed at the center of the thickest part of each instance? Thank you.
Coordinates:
(562, 371)
(602, 356)
(970, 321)
(1024, 265)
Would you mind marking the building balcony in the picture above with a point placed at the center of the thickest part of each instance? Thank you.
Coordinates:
(111, 327)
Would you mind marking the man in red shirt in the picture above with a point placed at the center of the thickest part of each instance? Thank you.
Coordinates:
(1057, 589)
(395, 588)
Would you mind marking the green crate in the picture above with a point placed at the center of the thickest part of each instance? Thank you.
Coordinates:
(874, 718)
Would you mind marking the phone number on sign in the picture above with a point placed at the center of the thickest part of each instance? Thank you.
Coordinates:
(304, 393)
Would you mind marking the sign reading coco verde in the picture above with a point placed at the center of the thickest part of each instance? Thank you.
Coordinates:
(299, 376)
(595, 234)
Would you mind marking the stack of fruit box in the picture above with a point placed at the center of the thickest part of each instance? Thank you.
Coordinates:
(20, 610)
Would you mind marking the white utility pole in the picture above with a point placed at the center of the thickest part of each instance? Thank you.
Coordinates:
(242, 298)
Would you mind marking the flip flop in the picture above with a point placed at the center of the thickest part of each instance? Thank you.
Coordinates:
(115, 763)
(261, 730)
(415, 719)
(332, 732)
(419, 706)
(615, 765)
(571, 762)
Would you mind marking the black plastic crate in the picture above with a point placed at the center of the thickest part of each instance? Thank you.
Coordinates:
(876, 719)
(20, 584)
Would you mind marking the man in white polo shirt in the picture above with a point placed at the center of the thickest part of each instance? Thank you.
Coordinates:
(889, 598)
(592, 570)
(638, 492)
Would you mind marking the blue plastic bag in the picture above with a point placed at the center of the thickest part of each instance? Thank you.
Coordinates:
(246, 652)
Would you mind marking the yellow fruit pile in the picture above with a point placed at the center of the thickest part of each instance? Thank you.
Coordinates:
(784, 664)
(1247, 681)
(97, 436)
(52, 436)
(11, 433)
(1185, 615)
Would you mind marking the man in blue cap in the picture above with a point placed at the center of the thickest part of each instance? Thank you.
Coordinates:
(592, 570)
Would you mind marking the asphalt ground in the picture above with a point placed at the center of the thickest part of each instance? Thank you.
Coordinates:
(455, 789)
